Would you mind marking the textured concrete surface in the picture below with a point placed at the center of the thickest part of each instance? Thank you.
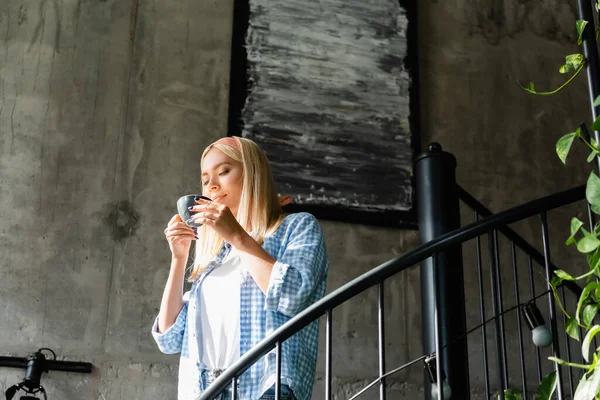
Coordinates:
(104, 109)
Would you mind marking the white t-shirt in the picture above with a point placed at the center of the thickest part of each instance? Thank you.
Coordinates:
(219, 311)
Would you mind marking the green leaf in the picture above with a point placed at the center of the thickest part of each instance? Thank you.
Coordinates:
(596, 208)
(576, 224)
(591, 156)
(571, 328)
(563, 275)
(511, 394)
(547, 387)
(596, 124)
(594, 381)
(582, 392)
(580, 24)
(597, 102)
(555, 281)
(589, 312)
(585, 294)
(575, 59)
(565, 68)
(585, 346)
(589, 386)
(592, 189)
(593, 261)
(563, 146)
(588, 242)
(572, 61)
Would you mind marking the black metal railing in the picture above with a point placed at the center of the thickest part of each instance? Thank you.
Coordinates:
(491, 225)
(535, 260)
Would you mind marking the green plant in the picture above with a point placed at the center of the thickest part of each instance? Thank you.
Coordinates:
(588, 243)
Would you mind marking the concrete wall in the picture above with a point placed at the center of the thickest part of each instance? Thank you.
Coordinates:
(105, 108)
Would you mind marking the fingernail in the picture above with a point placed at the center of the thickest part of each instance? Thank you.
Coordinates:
(197, 238)
(197, 198)
(190, 208)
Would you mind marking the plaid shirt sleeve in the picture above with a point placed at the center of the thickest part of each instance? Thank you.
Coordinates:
(299, 268)
(171, 341)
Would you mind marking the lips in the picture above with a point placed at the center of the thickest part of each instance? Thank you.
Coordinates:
(218, 197)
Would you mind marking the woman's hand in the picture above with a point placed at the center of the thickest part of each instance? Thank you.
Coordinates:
(180, 237)
(220, 218)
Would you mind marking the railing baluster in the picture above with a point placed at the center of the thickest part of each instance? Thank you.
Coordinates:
(497, 310)
(567, 337)
(436, 330)
(519, 329)
(328, 345)
(555, 347)
(482, 314)
(591, 221)
(234, 388)
(381, 343)
(532, 295)
(278, 372)
(591, 218)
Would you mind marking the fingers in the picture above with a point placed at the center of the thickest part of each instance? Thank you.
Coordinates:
(203, 200)
(204, 217)
(177, 229)
(180, 232)
(176, 218)
(206, 207)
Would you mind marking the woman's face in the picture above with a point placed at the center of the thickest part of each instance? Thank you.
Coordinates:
(222, 179)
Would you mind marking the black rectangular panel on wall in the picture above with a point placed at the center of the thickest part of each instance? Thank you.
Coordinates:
(328, 89)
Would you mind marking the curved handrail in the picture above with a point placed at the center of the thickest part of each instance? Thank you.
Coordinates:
(386, 270)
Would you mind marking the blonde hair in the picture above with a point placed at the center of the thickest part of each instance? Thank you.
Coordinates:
(259, 208)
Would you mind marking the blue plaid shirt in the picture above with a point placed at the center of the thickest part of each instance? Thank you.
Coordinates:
(297, 280)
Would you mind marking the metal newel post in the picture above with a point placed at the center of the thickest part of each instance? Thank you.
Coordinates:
(438, 210)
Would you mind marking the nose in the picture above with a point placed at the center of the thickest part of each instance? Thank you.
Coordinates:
(213, 184)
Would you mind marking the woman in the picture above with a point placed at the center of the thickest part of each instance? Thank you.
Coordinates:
(254, 269)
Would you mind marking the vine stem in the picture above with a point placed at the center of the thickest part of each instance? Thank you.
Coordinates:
(581, 67)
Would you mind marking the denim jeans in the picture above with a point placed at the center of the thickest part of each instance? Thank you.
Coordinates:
(208, 377)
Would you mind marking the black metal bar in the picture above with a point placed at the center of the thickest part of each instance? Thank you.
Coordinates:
(567, 338)
(436, 329)
(381, 320)
(386, 270)
(234, 393)
(519, 329)
(532, 295)
(438, 213)
(590, 51)
(328, 353)
(497, 310)
(551, 311)
(511, 235)
(591, 221)
(51, 365)
(482, 314)
(278, 371)
(590, 217)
